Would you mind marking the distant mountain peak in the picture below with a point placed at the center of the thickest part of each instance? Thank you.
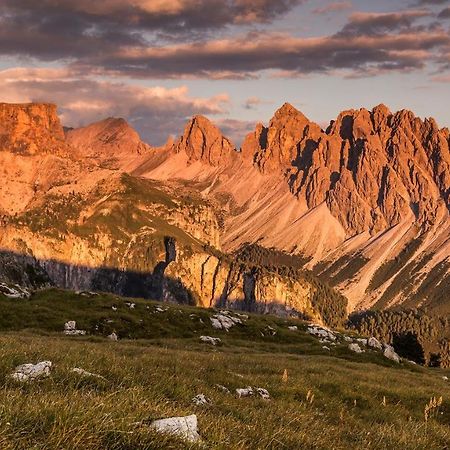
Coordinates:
(111, 139)
(203, 141)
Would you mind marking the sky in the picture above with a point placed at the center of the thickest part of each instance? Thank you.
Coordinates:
(158, 62)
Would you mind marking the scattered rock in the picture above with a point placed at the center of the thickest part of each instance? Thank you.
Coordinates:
(200, 400)
(348, 339)
(375, 343)
(321, 332)
(242, 316)
(223, 321)
(14, 291)
(264, 393)
(293, 328)
(326, 348)
(114, 308)
(223, 389)
(160, 310)
(211, 340)
(70, 329)
(85, 373)
(130, 305)
(244, 392)
(113, 337)
(28, 372)
(183, 427)
(271, 331)
(355, 348)
(445, 378)
(362, 341)
(87, 293)
(390, 353)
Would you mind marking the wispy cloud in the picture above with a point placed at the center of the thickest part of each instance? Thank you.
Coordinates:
(333, 7)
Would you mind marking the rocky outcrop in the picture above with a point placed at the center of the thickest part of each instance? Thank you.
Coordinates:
(203, 141)
(32, 128)
(372, 168)
(365, 203)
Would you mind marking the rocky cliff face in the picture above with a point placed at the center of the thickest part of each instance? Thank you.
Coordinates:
(365, 203)
(32, 128)
(139, 238)
(372, 168)
(203, 141)
(370, 190)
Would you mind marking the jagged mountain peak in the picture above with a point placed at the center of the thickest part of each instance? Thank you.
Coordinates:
(203, 141)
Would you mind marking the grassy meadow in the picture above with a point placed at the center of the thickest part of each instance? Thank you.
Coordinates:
(320, 399)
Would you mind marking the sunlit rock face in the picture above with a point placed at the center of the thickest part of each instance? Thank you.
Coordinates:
(364, 203)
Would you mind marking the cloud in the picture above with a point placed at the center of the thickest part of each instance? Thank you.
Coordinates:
(252, 102)
(445, 13)
(116, 38)
(333, 7)
(444, 78)
(236, 130)
(431, 2)
(65, 29)
(249, 54)
(156, 112)
(363, 23)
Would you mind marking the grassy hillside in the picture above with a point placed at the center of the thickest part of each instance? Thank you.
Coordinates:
(330, 399)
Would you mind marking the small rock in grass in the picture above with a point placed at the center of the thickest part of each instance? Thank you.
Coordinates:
(263, 393)
(183, 427)
(14, 291)
(321, 332)
(70, 329)
(200, 400)
(293, 328)
(362, 341)
(390, 353)
(210, 340)
(348, 339)
(445, 378)
(28, 372)
(355, 348)
(244, 392)
(224, 321)
(375, 343)
(326, 348)
(114, 308)
(113, 337)
(130, 305)
(223, 389)
(242, 316)
(85, 373)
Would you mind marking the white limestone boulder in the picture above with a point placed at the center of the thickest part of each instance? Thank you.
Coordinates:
(183, 427)
(29, 372)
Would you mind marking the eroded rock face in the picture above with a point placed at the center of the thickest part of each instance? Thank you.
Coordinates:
(32, 128)
(365, 202)
(372, 168)
(203, 141)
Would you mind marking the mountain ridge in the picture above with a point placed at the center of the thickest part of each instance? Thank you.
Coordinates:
(370, 190)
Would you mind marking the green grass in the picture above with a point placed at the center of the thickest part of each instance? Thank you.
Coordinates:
(157, 372)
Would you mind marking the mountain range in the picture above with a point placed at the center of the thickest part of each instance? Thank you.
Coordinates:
(320, 221)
